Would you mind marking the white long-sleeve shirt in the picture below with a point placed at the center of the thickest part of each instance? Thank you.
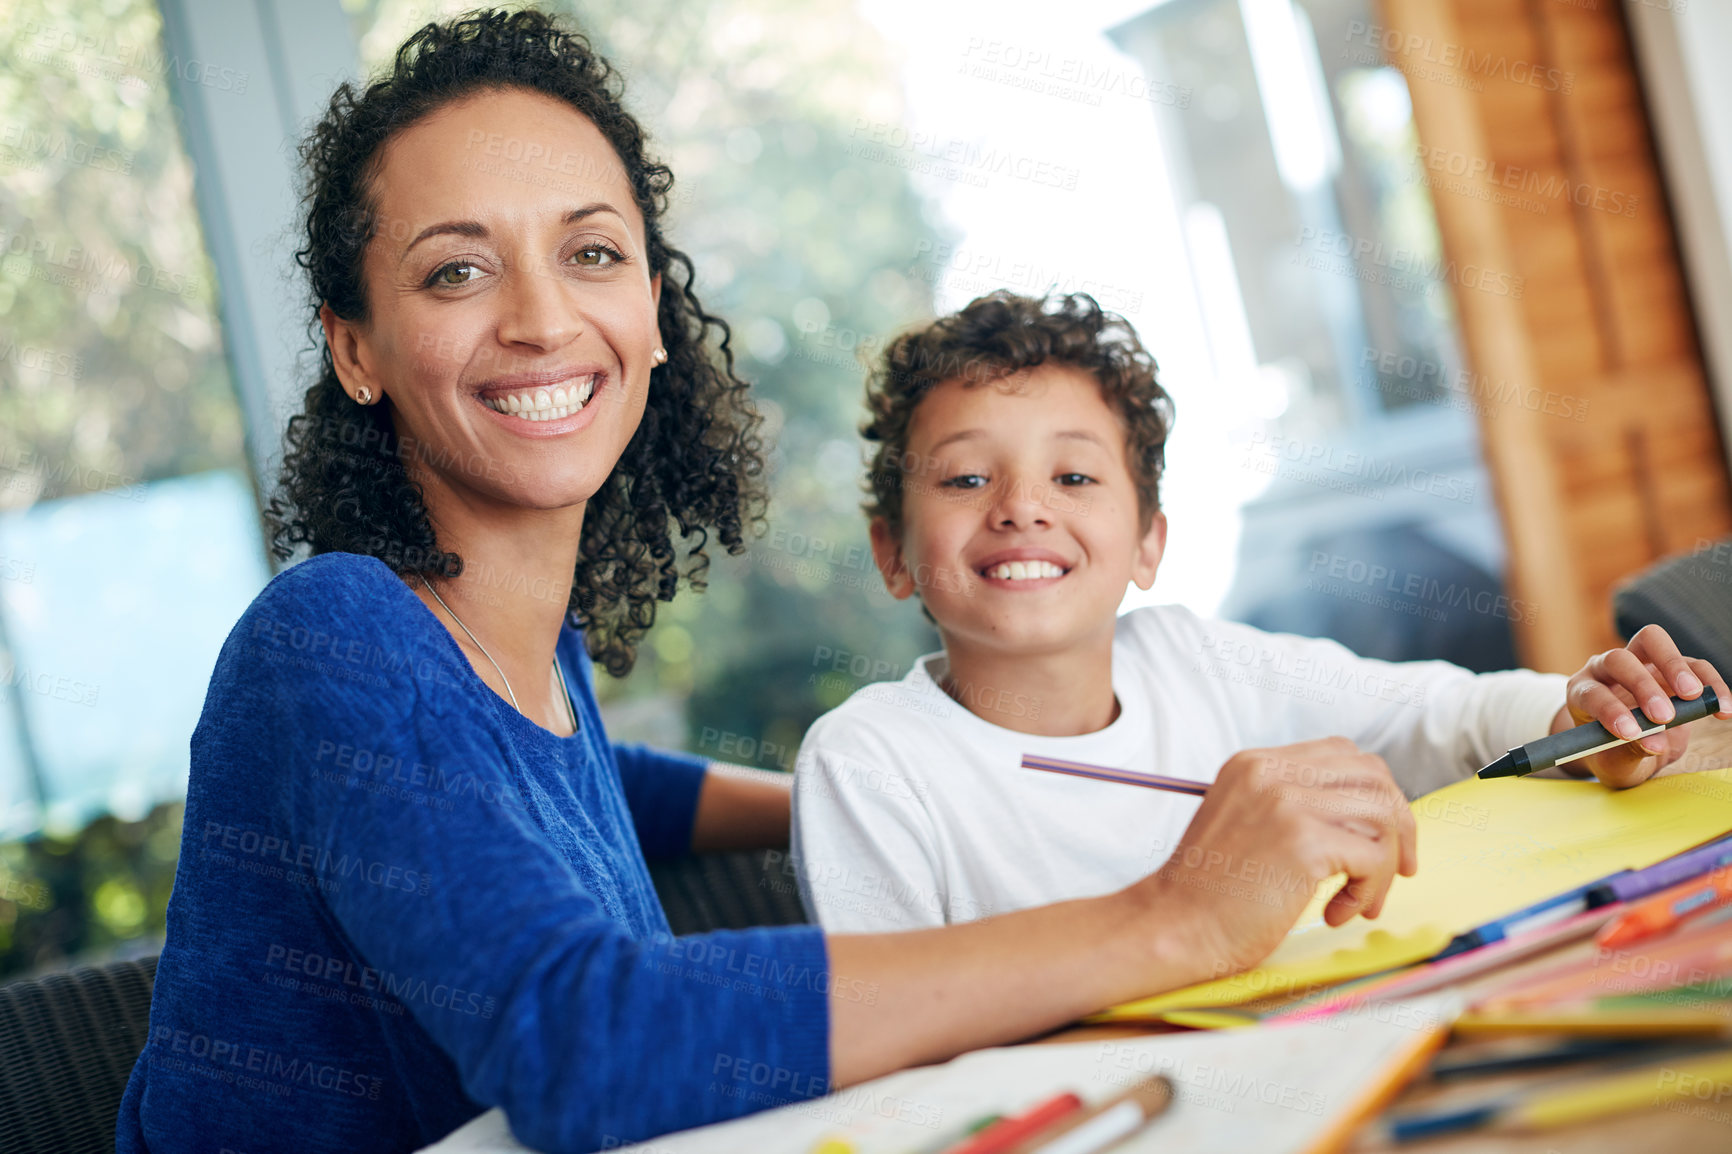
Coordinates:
(911, 811)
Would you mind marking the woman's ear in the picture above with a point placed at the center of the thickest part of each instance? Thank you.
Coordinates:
(1149, 551)
(887, 554)
(349, 356)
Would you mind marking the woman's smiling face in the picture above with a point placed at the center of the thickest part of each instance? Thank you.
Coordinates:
(512, 310)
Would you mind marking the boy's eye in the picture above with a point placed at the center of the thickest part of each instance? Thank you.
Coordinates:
(1074, 479)
(964, 481)
(596, 256)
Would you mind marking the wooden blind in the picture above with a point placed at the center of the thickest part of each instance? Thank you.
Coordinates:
(1596, 419)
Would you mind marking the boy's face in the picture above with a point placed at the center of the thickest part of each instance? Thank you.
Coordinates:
(1020, 527)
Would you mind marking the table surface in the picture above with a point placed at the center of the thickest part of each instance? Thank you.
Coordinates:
(1688, 1126)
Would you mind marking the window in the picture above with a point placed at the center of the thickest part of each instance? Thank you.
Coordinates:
(129, 534)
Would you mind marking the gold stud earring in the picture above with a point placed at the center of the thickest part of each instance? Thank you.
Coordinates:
(660, 356)
(363, 395)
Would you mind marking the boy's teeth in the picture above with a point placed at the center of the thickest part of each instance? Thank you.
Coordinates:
(545, 404)
(1024, 570)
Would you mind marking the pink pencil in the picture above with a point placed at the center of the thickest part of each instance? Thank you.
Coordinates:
(1459, 968)
(1692, 955)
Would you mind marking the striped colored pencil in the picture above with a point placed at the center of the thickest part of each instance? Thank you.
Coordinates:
(1183, 785)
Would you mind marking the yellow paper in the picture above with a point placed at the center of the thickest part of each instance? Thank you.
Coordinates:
(1486, 850)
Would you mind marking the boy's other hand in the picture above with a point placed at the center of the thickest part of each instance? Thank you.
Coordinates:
(1274, 825)
(1646, 674)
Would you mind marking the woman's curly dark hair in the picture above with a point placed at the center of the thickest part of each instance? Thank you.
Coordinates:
(997, 335)
(695, 460)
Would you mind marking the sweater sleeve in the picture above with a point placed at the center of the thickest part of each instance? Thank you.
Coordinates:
(1433, 722)
(545, 1004)
(864, 847)
(661, 790)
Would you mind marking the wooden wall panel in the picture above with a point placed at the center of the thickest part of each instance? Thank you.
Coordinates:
(1602, 316)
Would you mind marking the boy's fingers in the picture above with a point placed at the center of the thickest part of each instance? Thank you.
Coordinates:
(1622, 768)
(1652, 643)
(1628, 668)
(1677, 742)
(1681, 676)
(1709, 676)
(1596, 699)
(1655, 646)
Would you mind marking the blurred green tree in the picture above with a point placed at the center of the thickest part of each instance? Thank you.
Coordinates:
(111, 358)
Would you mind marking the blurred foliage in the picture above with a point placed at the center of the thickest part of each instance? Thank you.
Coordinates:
(88, 894)
(805, 249)
(111, 361)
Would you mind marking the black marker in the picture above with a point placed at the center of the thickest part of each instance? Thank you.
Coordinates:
(1592, 738)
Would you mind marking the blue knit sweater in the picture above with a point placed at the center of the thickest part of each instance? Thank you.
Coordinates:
(399, 901)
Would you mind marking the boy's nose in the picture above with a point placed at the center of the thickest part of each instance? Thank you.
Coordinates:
(1018, 507)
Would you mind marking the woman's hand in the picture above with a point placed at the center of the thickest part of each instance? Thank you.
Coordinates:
(1274, 825)
(1646, 674)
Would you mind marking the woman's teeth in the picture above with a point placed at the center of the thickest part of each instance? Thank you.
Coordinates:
(1024, 571)
(544, 404)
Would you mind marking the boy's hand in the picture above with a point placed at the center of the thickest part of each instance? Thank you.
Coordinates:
(1644, 675)
(1275, 824)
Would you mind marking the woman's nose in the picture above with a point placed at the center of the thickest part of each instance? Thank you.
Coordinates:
(536, 308)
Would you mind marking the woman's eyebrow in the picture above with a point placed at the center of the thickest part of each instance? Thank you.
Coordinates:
(474, 228)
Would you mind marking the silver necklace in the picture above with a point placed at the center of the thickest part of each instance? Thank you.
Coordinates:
(570, 710)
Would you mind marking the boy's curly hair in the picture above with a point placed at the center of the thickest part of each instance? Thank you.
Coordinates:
(1000, 334)
(696, 459)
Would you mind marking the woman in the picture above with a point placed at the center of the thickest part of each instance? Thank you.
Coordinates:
(412, 879)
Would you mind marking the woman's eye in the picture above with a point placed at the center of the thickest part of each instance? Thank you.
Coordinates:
(1074, 479)
(596, 256)
(965, 481)
(458, 272)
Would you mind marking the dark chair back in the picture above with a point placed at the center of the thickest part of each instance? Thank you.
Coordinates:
(1689, 596)
(727, 891)
(68, 1042)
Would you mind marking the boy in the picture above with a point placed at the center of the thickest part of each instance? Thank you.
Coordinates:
(1015, 490)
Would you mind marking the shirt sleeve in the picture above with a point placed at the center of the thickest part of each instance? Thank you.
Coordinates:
(586, 1036)
(864, 846)
(1435, 723)
(661, 790)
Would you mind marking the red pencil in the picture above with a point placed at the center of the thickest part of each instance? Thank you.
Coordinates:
(1004, 1134)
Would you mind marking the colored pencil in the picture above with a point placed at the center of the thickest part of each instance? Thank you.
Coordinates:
(1668, 909)
(1572, 1101)
(1691, 956)
(1183, 785)
(1007, 1132)
(1597, 1022)
(1461, 967)
(1104, 1124)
